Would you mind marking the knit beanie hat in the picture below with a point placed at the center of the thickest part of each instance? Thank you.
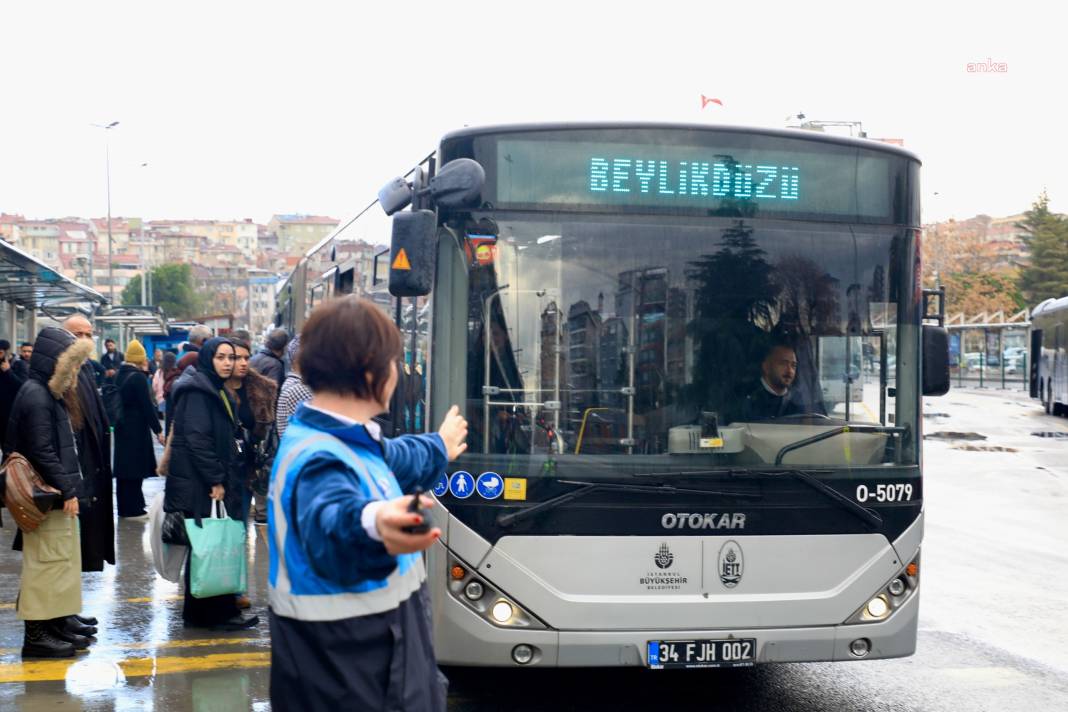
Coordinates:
(135, 353)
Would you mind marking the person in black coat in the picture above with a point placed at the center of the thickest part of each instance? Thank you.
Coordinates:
(41, 428)
(135, 456)
(204, 457)
(94, 453)
(10, 382)
(268, 360)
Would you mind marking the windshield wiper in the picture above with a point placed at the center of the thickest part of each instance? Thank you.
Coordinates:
(871, 517)
(584, 488)
(828, 434)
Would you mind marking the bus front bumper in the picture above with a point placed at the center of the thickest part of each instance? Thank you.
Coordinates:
(463, 638)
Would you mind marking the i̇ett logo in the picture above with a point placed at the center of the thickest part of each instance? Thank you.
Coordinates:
(730, 564)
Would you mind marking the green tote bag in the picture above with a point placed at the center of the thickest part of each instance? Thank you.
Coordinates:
(217, 564)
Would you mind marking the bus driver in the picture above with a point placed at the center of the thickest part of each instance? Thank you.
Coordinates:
(773, 398)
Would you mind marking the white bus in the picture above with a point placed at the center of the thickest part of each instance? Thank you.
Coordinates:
(601, 301)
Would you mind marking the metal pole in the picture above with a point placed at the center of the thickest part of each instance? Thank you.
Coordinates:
(144, 271)
(982, 359)
(107, 165)
(1001, 358)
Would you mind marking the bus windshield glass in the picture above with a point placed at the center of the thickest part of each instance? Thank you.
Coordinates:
(668, 343)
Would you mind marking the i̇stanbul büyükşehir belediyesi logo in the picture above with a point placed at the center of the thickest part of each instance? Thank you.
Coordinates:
(664, 558)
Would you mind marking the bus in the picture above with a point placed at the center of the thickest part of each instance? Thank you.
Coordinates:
(602, 301)
(1049, 363)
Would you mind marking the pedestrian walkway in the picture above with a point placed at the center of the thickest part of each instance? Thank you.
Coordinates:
(144, 659)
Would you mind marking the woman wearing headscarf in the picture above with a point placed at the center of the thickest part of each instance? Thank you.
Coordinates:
(204, 456)
(41, 428)
(135, 456)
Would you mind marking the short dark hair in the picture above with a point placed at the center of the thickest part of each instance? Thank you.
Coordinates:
(5, 345)
(277, 340)
(344, 341)
(240, 335)
(109, 341)
(26, 343)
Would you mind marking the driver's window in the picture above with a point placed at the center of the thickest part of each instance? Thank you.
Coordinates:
(849, 377)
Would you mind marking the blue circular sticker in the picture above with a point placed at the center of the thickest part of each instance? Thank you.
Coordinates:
(441, 486)
(490, 485)
(461, 484)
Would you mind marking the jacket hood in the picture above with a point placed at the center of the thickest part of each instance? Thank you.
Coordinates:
(192, 380)
(58, 358)
(47, 348)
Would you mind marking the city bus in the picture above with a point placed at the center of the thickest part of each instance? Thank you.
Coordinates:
(1049, 364)
(613, 306)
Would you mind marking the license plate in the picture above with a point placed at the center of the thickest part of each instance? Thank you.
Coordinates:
(701, 653)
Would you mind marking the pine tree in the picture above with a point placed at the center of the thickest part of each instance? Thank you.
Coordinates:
(1047, 238)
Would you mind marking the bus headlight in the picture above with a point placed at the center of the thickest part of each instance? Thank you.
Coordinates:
(502, 611)
(482, 597)
(890, 597)
(877, 607)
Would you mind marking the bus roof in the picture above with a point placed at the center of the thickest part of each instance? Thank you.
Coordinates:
(1050, 305)
(802, 134)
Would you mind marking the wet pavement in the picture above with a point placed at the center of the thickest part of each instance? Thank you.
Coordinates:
(992, 634)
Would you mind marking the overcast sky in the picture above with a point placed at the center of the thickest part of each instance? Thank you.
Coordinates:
(249, 109)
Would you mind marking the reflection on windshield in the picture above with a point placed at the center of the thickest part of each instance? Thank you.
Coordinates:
(727, 340)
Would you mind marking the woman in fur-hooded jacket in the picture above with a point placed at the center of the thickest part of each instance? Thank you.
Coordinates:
(41, 430)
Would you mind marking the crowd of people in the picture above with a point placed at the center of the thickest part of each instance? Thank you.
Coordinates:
(83, 422)
(297, 419)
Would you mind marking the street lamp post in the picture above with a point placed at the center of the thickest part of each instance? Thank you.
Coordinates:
(107, 166)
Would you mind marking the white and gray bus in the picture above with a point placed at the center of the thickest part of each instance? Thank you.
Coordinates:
(1049, 360)
(602, 300)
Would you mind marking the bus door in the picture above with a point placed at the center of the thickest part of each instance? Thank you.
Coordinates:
(1036, 357)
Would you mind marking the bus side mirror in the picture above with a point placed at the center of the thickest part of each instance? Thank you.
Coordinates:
(458, 184)
(411, 254)
(935, 360)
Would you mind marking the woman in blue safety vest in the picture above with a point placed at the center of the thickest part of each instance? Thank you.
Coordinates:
(349, 627)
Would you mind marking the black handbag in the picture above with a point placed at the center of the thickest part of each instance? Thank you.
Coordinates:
(173, 530)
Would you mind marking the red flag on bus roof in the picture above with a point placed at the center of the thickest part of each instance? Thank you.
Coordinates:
(705, 101)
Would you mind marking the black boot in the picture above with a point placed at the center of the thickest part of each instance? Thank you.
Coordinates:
(72, 625)
(88, 620)
(41, 643)
(57, 627)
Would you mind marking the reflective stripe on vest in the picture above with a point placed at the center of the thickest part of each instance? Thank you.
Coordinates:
(397, 588)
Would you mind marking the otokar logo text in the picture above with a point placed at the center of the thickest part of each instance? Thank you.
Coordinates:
(703, 520)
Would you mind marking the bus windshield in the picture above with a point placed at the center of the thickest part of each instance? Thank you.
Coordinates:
(679, 342)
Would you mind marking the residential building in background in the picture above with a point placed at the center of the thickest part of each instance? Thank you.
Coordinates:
(296, 233)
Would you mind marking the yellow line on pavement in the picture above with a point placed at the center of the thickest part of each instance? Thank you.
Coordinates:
(165, 644)
(46, 670)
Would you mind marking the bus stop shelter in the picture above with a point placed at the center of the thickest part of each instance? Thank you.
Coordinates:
(29, 288)
(125, 323)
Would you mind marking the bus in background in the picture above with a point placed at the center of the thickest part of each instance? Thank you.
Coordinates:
(1049, 363)
(608, 304)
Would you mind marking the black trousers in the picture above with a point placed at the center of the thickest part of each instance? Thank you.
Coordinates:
(129, 497)
(383, 662)
(206, 612)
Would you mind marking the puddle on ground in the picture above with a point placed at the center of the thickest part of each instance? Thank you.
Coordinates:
(984, 448)
(953, 435)
(936, 415)
(1055, 434)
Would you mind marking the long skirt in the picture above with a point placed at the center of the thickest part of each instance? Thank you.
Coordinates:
(206, 612)
(51, 585)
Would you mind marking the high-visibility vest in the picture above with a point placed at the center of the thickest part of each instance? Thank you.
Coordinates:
(296, 590)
